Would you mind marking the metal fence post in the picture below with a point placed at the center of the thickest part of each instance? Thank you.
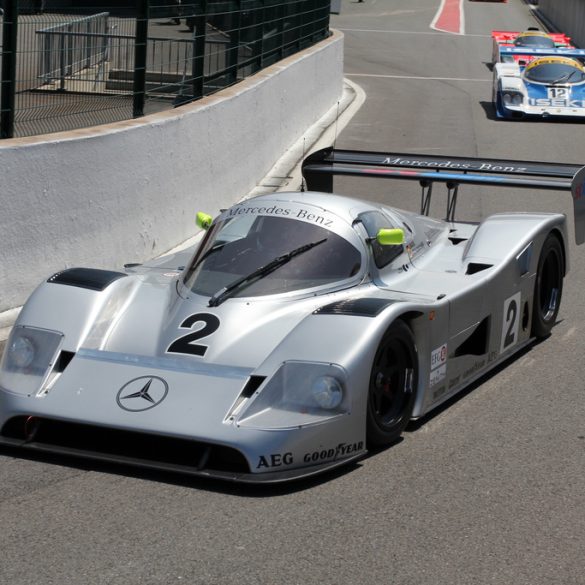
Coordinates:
(234, 46)
(200, 24)
(8, 81)
(140, 50)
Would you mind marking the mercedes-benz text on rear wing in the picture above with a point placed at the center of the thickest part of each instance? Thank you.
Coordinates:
(320, 167)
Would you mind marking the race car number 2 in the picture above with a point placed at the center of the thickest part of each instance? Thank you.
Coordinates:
(510, 322)
(204, 324)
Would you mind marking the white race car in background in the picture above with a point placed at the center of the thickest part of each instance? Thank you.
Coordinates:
(546, 83)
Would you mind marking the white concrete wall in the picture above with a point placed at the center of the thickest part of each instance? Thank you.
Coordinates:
(567, 16)
(129, 191)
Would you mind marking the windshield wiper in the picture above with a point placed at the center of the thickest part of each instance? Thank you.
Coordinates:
(564, 77)
(222, 294)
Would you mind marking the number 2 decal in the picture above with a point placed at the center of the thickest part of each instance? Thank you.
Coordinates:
(185, 343)
(510, 321)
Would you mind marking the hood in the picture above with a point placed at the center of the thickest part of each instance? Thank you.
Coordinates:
(238, 332)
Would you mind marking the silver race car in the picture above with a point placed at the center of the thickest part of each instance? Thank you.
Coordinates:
(304, 329)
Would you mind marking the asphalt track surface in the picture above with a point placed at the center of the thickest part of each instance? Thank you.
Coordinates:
(489, 490)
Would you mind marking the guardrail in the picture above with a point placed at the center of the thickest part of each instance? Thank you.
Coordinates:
(66, 68)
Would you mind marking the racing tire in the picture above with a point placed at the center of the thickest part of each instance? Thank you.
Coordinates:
(548, 287)
(392, 387)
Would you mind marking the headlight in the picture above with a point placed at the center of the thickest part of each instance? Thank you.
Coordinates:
(299, 394)
(512, 98)
(22, 352)
(28, 357)
(327, 392)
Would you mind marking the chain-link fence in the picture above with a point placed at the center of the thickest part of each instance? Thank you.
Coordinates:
(69, 64)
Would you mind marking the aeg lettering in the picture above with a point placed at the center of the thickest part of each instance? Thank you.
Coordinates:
(274, 460)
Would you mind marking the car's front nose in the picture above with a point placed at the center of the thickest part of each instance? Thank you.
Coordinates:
(157, 412)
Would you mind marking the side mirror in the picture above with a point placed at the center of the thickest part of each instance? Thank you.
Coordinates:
(203, 220)
(390, 237)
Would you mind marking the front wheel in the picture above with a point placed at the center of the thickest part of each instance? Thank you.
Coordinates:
(548, 288)
(393, 383)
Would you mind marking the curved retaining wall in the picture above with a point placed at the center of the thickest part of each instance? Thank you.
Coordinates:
(129, 191)
(568, 16)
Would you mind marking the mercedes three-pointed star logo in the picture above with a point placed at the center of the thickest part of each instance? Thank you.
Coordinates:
(142, 393)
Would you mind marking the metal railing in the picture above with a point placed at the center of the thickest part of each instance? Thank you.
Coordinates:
(65, 68)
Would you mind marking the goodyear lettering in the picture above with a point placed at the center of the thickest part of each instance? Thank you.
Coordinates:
(341, 450)
(274, 460)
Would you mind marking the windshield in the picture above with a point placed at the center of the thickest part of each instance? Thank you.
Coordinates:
(534, 41)
(237, 247)
(554, 72)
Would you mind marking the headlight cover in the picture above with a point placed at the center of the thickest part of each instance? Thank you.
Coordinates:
(28, 357)
(299, 394)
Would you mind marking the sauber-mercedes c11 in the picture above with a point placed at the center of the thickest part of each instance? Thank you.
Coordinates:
(305, 328)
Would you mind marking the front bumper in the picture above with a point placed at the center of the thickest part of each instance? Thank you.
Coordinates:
(188, 431)
(527, 111)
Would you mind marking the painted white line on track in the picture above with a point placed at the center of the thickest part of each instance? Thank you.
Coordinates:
(405, 32)
(485, 80)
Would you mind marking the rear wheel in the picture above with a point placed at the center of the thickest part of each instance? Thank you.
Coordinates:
(548, 288)
(393, 382)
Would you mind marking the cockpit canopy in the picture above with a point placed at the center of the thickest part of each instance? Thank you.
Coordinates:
(237, 246)
(534, 40)
(553, 70)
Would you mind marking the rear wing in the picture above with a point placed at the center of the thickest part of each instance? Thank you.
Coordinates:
(507, 36)
(558, 52)
(320, 167)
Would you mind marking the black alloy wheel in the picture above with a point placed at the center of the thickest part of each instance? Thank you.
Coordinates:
(393, 383)
(548, 288)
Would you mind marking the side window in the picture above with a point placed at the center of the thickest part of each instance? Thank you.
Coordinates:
(374, 221)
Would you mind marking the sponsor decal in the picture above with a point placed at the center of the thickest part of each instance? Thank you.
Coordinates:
(302, 214)
(438, 375)
(555, 103)
(314, 218)
(275, 460)
(439, 356)
(448, 164)
(320, 456)
(476, 367)
(274, 210)
(142, 393)
(341, 450)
